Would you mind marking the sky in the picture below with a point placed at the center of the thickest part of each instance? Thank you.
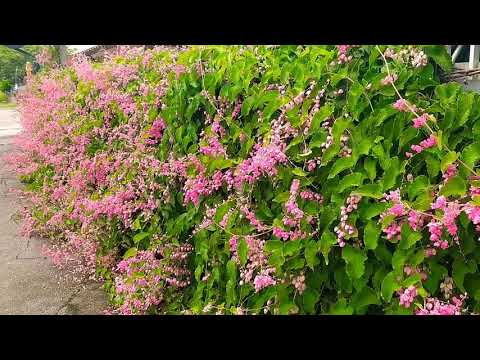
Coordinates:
(79, 47)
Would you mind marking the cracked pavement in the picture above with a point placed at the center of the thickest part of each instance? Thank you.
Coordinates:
(29, 283)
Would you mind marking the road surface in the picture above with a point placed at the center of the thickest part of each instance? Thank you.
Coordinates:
(29, 283)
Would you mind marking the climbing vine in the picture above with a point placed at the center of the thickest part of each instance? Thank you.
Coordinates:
(259, 179)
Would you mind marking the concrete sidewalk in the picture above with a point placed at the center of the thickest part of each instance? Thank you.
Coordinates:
(29, 283)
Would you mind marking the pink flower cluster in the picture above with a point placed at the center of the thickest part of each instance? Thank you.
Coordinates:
(420, 121)
(344, 229)
(434, 306)
(262, 162)
(407, 296)
(342, 54)
(424, 144)
(256, 270)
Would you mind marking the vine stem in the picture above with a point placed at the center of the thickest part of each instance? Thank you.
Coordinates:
(412, 110)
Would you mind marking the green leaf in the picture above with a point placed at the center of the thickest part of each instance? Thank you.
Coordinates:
(411, 280)
(460, 269)
(340, 165)
(130, 253)
(464, 107)
(370, 166)
(423, 201)
(454, 186)
(339, 127)
(291, 247)
(299, 172)
(471, 154)
(433, 166)
(327, 240)
(371, 233)
(440, 55)
(365, 297)
(350, 180)
(324, 112)
(390, 176)
(355, 259)
(311, 250)
(341, 307)
(447, 93)
(310, 298)
(447, 160)
(419, 185)
(369, 190)
(140, 236)
(409, 239)
(362, 148)
(399, 259)
(436, 273)
(242, 251)
(389, 286)
(369, 210)
(273, 245)
(231, 270)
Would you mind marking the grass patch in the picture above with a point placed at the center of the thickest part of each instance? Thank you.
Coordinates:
(8, 105)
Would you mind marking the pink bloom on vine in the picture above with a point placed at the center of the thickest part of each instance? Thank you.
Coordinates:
(233, 243)
(420, 121)
(440, 203)
(218, 129)
(393, 196)
(435, 229)
(214, 148)
(397, 210)
(450, 172)
(401, 105)
(392, 231)
(310, 195)
(280, 233)
(389, 79)
(157, 128)
(179, 69)
(415, 220)
(429, 252)
(311, 165)
(428, 143)
(262, 281)
(473, 213)
(474, 191)
(451, 212)
(417, 148)
(253, 220)
(407, 296)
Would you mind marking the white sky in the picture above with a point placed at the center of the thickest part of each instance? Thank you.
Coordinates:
(79, 47)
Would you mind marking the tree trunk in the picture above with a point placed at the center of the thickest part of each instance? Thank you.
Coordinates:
(62, 51)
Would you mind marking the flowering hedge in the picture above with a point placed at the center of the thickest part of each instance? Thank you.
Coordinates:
(259, 180)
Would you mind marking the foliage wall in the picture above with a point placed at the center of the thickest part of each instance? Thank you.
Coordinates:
(259, 179)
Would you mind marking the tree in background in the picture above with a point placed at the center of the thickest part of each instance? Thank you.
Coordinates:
(12, 63)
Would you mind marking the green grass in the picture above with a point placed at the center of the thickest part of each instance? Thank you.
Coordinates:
(7, 105)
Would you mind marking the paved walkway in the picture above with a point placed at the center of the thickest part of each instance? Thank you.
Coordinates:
(29, 284)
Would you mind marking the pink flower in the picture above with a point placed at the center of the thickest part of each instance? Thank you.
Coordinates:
(389, 79)
(280, 233)
(262, 281)
(407, 296)
(401, 105)
(397, 210)
(420, 121)
(440, 203)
